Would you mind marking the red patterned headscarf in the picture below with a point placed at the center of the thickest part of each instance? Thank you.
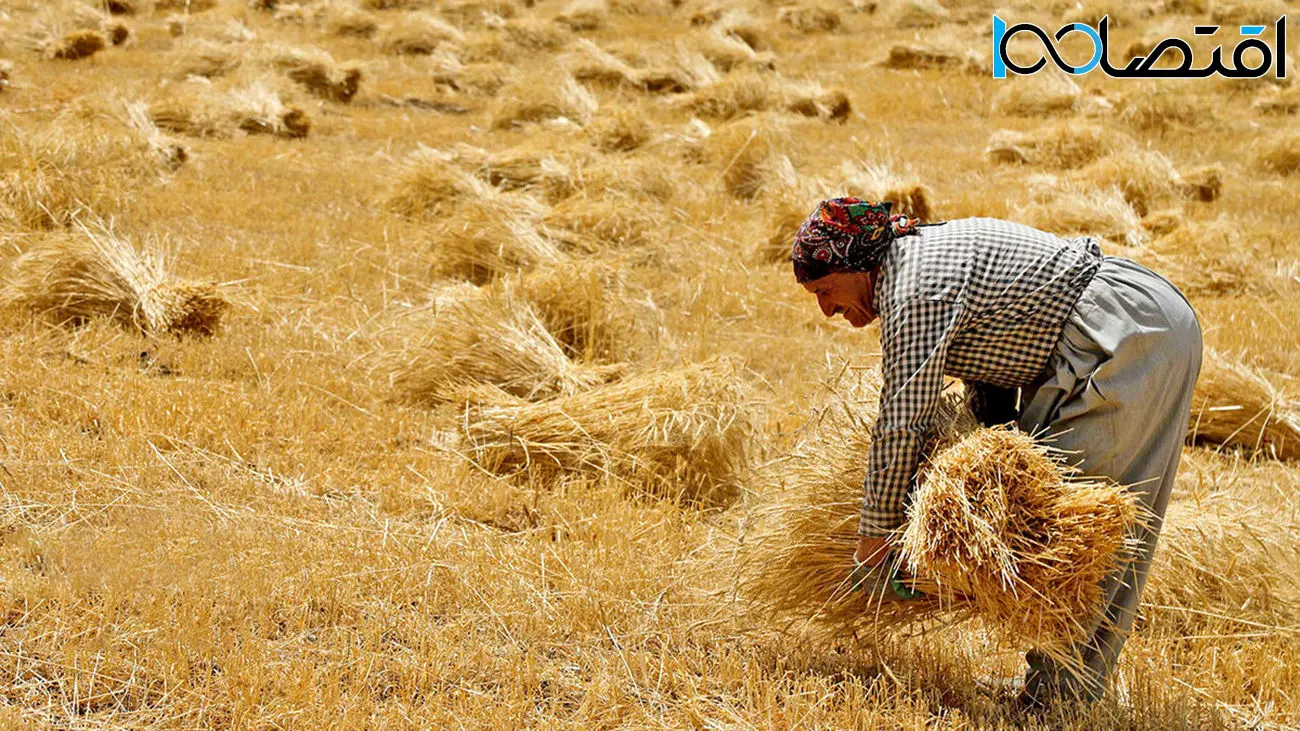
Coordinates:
(846, 234)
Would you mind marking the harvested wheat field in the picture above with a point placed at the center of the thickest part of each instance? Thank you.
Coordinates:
(396, 364)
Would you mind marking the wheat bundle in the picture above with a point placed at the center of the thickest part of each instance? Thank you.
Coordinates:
(747, 153)
(76, 45)
(1238, 12)
(682, 433)
(643, 176)
(184, 6)
(918, 56)
(880, 182)
(52, 175)
(1279, 153)
(489, 237)
(786, 214)
(531, 167)
(542, 95)
(1146, 178)
(468, 336)
(342, 19)
(585, 305)
(535, 34)
(811, 100)
(727, 53)
(471, 13)
(1204, 183)
(1158, 107)
(591, 63)
(164, 149)
(1061, 144)
(738, 23)
(623, 130)
(430, 181)
(418, 34)
(1276, 100)
(318, 73)
(118, 33)
(594, 224)
(6, 73)
(198, 110)
(1219, 556)
(72, 278)
(734, 96)
(916, 13)
(582, 15)
(1235, 404)
(206, 59)
(997, 528)
(809, 18)
(1210, 258)
(1068, 207)
(1037, 95)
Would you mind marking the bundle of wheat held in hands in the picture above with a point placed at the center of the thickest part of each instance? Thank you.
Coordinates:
(998, 529)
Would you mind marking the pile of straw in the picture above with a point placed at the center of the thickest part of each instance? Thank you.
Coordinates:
(544, 95)
(880, 182)
(206, 59)
(1070, 207)
(532, 166)
(930, 56)
(1236, 405)
(70, 279)
(1061, 144)
(1278, 153)
(1042, 94)
(197, 110)
(468, 336)
(583, 15)
(1162, 106)
(623, 130)
(1218, 559)
(743, 26)
(997, 530)
(486, 238)
(317, 72)
(76, 45)
(1146, 178)
(590, 225)
(680, 433)
(418, 34)
(430, 181)
(727, 53)
(6, 71)
(749, 154)
(809, 18)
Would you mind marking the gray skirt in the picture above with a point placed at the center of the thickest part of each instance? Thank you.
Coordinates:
(1116, 396)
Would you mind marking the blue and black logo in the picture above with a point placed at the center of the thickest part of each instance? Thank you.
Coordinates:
(1144, 66)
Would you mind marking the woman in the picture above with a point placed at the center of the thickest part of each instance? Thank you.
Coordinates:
(1104, 354)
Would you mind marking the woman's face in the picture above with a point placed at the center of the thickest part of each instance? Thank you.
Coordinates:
(847, 293)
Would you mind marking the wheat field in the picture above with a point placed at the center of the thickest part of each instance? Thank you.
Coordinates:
(387, 364)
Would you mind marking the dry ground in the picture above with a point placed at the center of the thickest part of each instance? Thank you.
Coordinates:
(259, 530)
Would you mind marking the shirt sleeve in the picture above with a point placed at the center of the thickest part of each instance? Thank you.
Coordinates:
(914, 341)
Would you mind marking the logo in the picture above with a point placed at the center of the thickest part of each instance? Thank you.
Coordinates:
(1144, 66)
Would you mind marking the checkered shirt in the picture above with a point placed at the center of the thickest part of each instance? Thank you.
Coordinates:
(979, 299)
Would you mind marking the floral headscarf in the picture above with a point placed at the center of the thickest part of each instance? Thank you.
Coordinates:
(846, 233)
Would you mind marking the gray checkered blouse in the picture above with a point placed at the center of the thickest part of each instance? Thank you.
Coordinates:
(979, 299)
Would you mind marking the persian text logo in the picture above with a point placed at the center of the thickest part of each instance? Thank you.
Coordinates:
(1144, 66)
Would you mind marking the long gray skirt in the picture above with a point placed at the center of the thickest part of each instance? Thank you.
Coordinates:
(1116, 396)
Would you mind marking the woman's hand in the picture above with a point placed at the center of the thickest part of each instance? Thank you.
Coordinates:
(871, 551)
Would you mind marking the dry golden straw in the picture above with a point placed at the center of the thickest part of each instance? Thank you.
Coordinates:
(677, 432)
(96, 273)
(1236, 405)
(997, 530)
(469, 336)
